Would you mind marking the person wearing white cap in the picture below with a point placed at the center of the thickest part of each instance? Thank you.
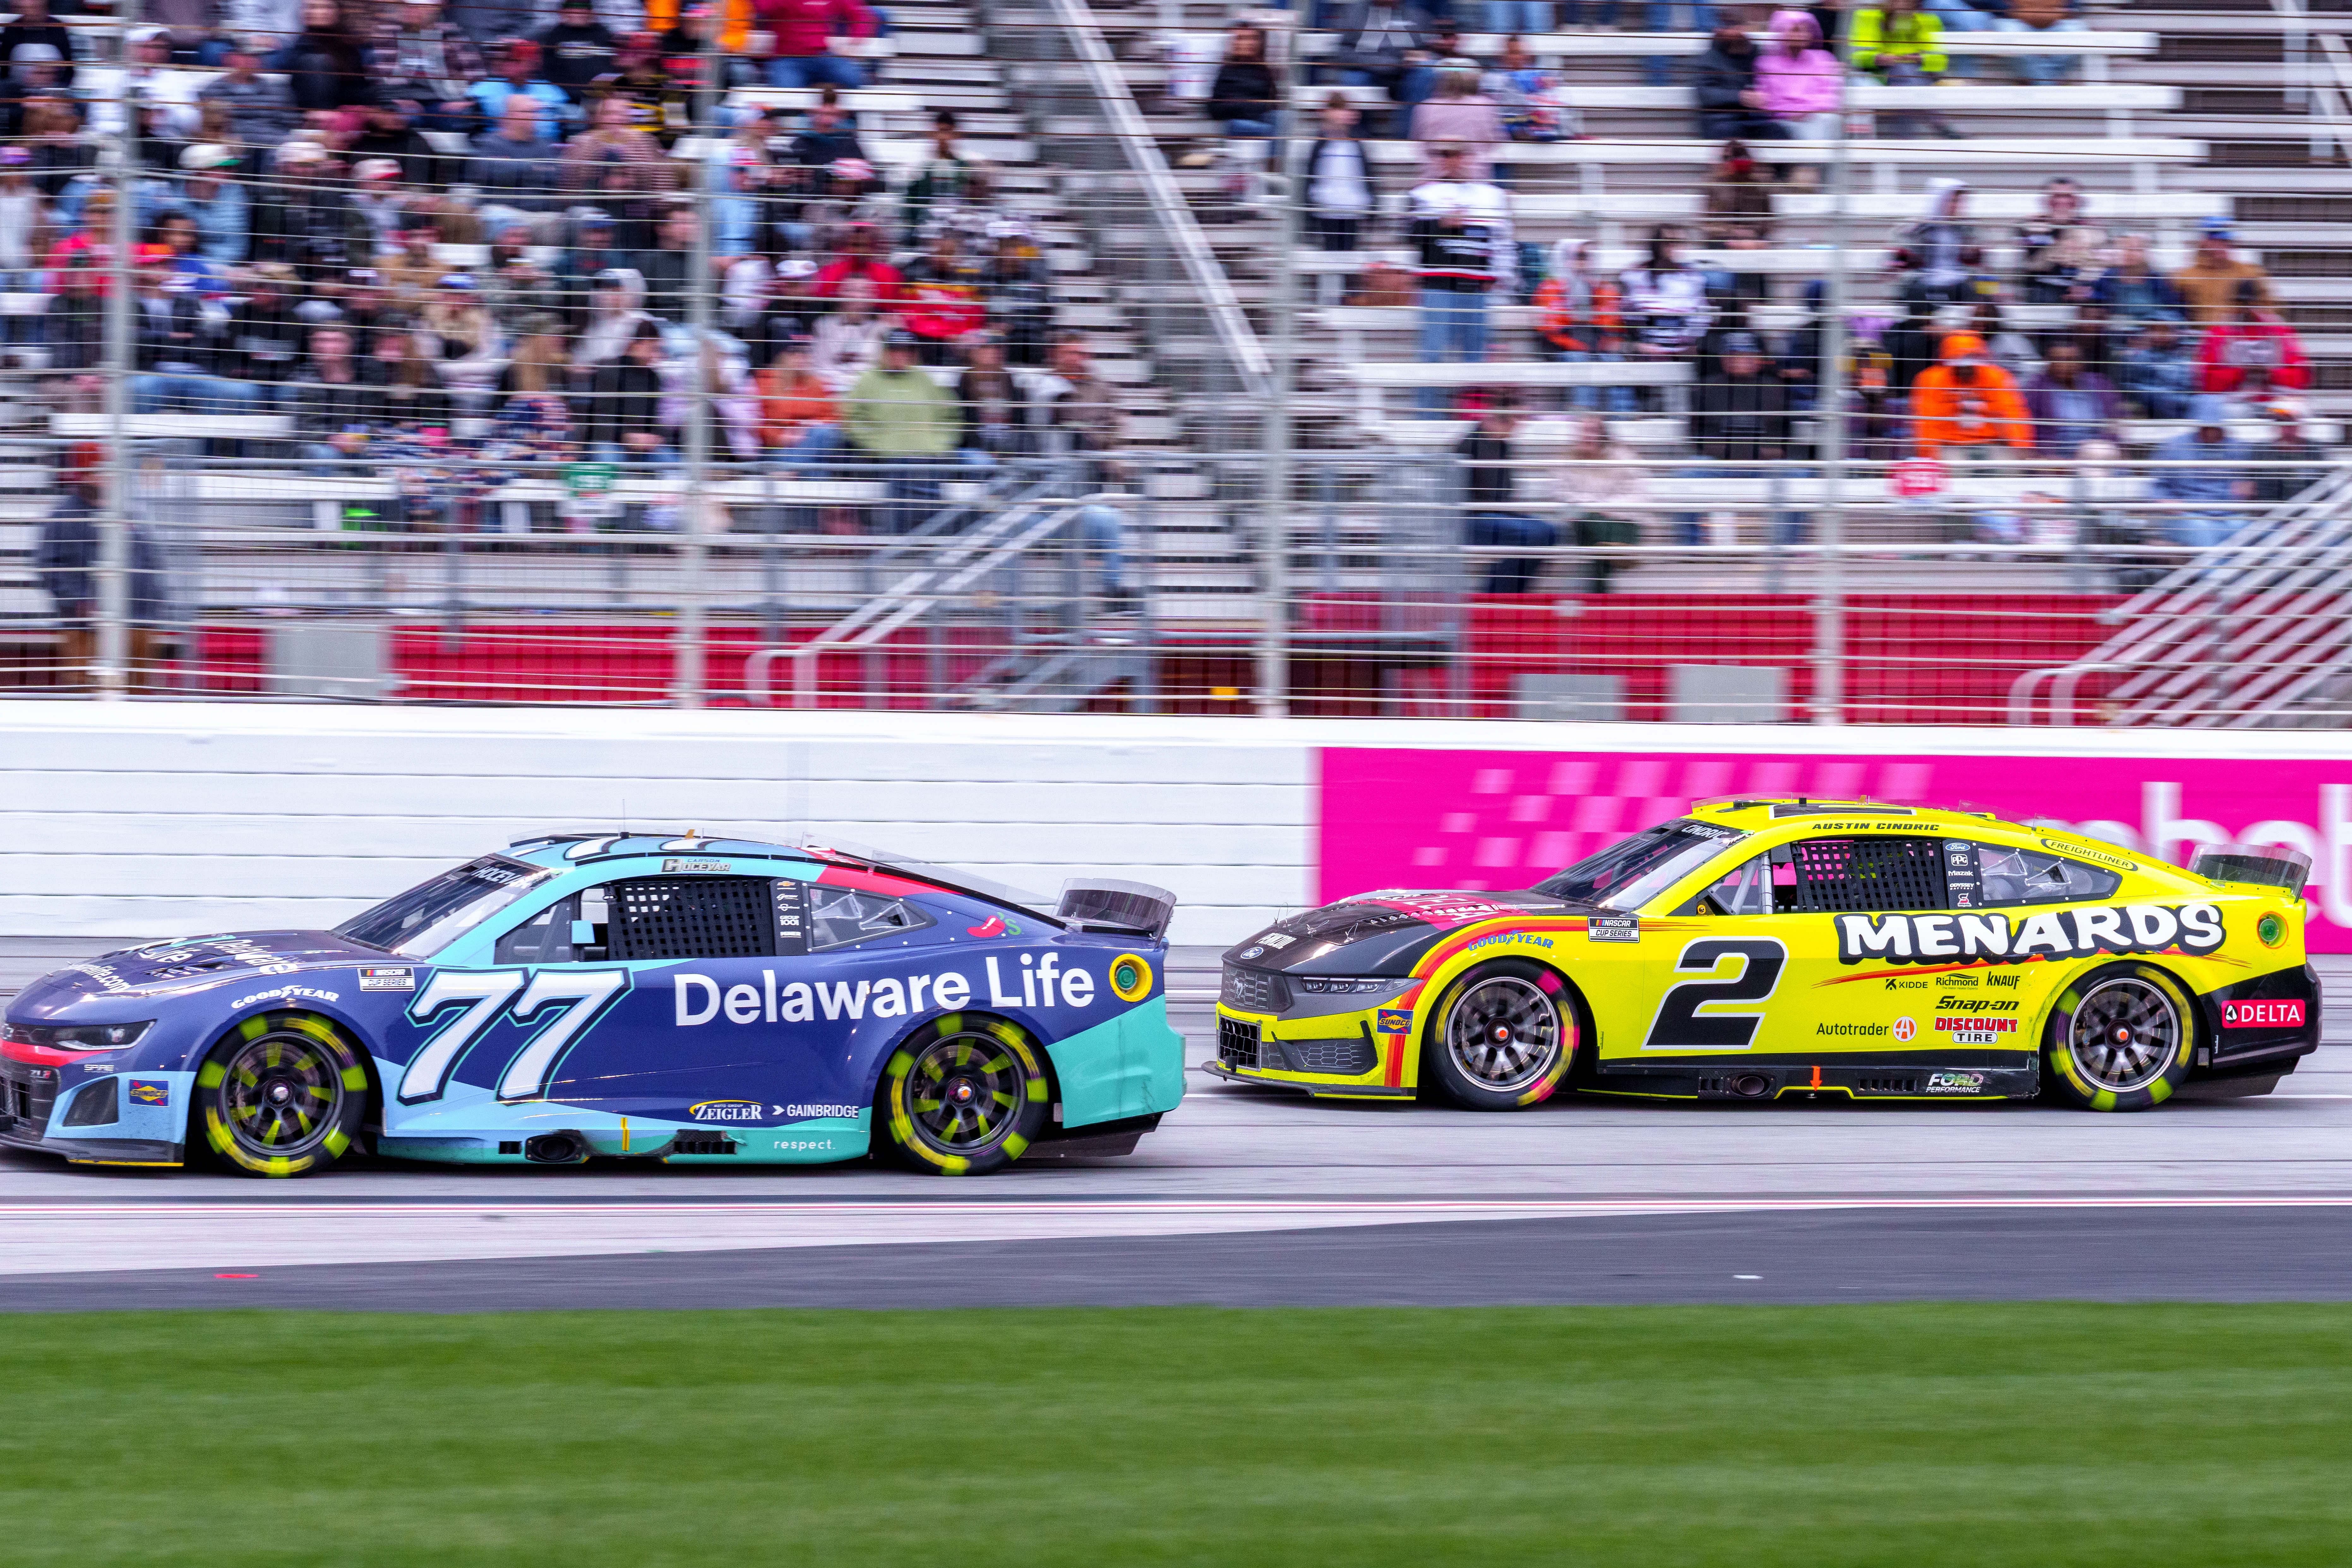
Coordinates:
(215, 200)
(105, 89)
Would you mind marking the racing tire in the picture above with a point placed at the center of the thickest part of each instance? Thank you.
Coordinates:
(1503, 1035)
(2121, 1037)
(965, 1095)
(283, 1094)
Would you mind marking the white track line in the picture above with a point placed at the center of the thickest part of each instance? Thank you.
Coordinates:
(70, 1238)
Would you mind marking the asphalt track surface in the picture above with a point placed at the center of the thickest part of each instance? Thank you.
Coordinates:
(1245, 1197)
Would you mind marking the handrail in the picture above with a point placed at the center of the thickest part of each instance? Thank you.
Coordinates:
(1007, 534)
(1130, 130)
(2327, 100)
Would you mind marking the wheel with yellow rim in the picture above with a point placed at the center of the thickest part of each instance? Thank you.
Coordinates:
(282, 1095)
(2121, 1039)
(963, 1096)
(1502, 1037)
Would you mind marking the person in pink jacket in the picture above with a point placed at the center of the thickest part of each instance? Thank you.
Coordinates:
(799, 34)
(1799, 78)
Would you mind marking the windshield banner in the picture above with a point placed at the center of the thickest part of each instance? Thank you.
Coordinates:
(1484, 821)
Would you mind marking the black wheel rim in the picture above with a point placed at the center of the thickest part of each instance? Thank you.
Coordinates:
(281, 1095)
(964, 1093)
(1504, 1034)
(2123, 1036)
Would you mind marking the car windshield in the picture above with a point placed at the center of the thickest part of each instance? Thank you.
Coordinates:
(1632, 871)
(431, 915)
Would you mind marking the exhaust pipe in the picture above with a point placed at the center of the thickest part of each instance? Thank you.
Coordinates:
(1751, 1085)
(555, 1148)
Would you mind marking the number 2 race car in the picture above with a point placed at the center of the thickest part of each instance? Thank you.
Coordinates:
(1768, 949)
(684, 1000)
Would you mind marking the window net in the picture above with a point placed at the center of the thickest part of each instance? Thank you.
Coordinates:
(692, 917)
(1865, 875)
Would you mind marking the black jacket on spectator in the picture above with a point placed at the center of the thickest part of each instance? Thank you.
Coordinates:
(670, 275)
(53, 33)
(1488, 482)
(1244, 90)
(1913, 342)
(324, 408)
(624, 396)
(575, 57)
(55, 165)
(310, 228)
(1374, 37)
(1740, 419)
(511, 174)
(174, 332)
(266, 341)
(74, 328)
(405, 146)
(325, 70)
(813, 150)
(1720, 77)
(995, 414)
(66, 561)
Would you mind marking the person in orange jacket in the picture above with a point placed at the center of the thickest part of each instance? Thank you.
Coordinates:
(1968, 404)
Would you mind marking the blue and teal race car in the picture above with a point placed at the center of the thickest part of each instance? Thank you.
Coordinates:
(620, 995)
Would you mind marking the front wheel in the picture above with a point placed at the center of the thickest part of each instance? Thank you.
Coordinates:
(2120, 1039)
(1503, 1035)
(283, 1095)
(962, 1096)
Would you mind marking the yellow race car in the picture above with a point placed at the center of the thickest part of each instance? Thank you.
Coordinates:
(1767, 949)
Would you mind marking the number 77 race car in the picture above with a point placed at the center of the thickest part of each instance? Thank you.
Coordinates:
(1760, 949)
(633, 996)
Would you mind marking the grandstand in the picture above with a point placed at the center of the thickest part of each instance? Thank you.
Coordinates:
(1261, 496)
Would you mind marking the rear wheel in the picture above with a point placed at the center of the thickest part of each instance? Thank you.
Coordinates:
(962, 1096)
(2120, 1039)
(1503, 1035)
(283, 1095)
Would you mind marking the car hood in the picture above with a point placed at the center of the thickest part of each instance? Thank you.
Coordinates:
(190, 964)
(1383, 932)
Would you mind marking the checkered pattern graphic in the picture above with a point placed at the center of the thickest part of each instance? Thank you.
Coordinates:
(1514, 824)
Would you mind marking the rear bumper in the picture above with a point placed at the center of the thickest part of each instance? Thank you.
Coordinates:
(2259, 1026)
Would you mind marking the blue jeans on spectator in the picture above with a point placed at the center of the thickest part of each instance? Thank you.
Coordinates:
(1602, 399)
(1453, 329)
(912, 487)
(2042, 70)
(1512, 574)
(815, 70)
(1250, 128)
(1521, 17)
(1698, 15)
(2201, 530)
(812, 455)
(1958, 16)
(1603, 13)
(170, 391)
(1100, 536)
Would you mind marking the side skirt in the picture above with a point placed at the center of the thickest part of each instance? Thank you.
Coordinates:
(2006, 1075)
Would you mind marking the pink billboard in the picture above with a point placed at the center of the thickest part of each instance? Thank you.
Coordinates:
(1407, 819)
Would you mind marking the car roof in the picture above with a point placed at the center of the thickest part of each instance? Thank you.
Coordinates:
(1753, 814)
(570, 851)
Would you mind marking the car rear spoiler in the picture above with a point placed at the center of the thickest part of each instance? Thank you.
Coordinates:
(1129, 909)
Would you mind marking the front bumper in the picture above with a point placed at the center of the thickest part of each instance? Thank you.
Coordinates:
(1343, 1057)
(142, 1133)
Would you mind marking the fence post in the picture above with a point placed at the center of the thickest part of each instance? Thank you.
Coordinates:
(113, 651)
(1274, 621)
(688, 666)
(1829, 583)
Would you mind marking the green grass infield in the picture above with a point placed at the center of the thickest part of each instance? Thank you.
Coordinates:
(2047, 1434)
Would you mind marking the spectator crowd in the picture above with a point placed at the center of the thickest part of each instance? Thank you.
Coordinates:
(434, 243)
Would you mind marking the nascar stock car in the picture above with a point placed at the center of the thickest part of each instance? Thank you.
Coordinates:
(1759, 950)
(609, 994)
